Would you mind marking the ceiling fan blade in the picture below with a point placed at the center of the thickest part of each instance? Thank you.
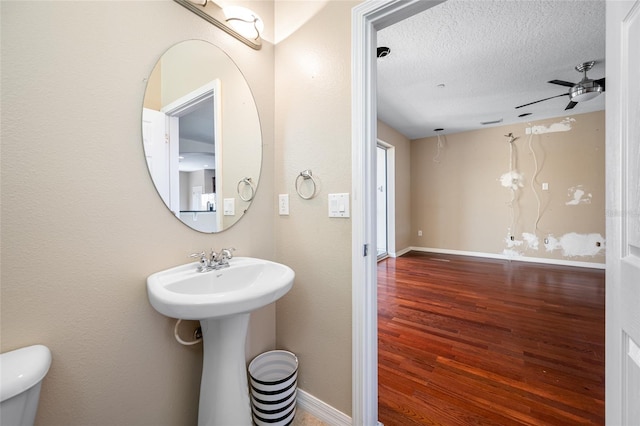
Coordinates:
(601, 83)
(562, 83)
(545, 99)
(571, 105)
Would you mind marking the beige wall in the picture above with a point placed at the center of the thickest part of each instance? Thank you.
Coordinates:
(459, 202)
(82, 225)
(402, 152)
(313, 131)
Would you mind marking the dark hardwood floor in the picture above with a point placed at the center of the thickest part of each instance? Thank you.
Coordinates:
(472, 341)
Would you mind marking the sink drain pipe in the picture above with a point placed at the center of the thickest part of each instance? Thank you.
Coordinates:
(197, 335)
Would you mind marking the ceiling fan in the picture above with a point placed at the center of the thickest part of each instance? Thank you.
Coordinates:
(579, 92)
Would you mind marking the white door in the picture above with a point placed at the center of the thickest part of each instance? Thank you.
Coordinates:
(156, 150)
(381, 210)
(623, 213)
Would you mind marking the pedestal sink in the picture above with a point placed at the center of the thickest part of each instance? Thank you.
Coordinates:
(222, 300)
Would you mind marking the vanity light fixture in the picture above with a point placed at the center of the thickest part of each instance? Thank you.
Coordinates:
(239, 22)
(244, 21)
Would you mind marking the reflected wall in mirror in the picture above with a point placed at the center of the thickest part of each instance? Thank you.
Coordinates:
(201, 136)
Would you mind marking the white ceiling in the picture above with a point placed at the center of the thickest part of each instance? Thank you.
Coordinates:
(491, 56)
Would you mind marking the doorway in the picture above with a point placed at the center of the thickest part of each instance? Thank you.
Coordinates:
(368, 18)
(381, 202)
(385, 200)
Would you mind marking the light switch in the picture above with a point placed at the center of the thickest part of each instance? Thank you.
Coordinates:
(545, 186)
(339, 205)
(283, 204)
(229, 206)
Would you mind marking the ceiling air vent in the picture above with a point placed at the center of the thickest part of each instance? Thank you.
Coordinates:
(486, 123)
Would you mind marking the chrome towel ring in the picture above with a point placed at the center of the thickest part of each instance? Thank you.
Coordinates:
(252, 190)
(306, 175)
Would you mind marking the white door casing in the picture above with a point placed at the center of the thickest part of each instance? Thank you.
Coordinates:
(622, 404)
(210, 92)
(367, 18)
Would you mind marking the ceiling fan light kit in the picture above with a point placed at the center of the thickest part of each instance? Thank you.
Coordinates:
(585, 90)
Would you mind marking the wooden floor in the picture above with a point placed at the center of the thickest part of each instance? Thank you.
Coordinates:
(472, 341)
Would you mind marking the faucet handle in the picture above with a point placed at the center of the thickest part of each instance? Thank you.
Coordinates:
(227, 253)
(213, 256)
(201, 255)
(204, 263)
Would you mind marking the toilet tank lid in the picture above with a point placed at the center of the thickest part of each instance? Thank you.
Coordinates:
(22, 369)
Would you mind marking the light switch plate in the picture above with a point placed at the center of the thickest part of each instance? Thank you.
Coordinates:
(283, 204)
(229, 206)
(339, 205)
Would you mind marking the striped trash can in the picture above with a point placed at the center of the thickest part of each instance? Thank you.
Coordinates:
(273, 378)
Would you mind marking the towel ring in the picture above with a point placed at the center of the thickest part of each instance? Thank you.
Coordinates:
(306, 175)
(247, 182)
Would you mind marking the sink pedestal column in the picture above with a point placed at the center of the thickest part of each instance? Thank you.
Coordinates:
(224, 392)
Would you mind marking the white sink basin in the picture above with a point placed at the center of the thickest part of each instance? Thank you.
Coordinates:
(246, 285)
(222, 300)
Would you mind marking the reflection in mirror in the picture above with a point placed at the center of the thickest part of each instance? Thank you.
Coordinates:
(201, 136)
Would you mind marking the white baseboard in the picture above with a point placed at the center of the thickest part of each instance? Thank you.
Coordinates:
(562, 262)
(321, 410)
(401, 252)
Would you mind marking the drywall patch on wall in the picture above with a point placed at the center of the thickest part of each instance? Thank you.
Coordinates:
(512, 243)
(551, 243)
(510, 254)
(531, 240)
(528, 241)
(562, 126)
(574, 244)
(512, 180)
(577, 195)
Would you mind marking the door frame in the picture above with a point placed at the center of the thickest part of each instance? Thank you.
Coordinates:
(390, 191)
(210, 92)
(366, 19)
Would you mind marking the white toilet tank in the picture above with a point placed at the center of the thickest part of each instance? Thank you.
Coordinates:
(21, 372)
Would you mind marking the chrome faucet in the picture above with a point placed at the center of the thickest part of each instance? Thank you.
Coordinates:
(225, 255)
(215, 260)
(203, 263)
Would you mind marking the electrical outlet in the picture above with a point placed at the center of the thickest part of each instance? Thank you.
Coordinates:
(420, 233)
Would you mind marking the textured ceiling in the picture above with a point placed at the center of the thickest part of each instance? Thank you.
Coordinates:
(491, 56)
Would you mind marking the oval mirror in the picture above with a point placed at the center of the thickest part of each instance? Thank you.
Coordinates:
(201, 136)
